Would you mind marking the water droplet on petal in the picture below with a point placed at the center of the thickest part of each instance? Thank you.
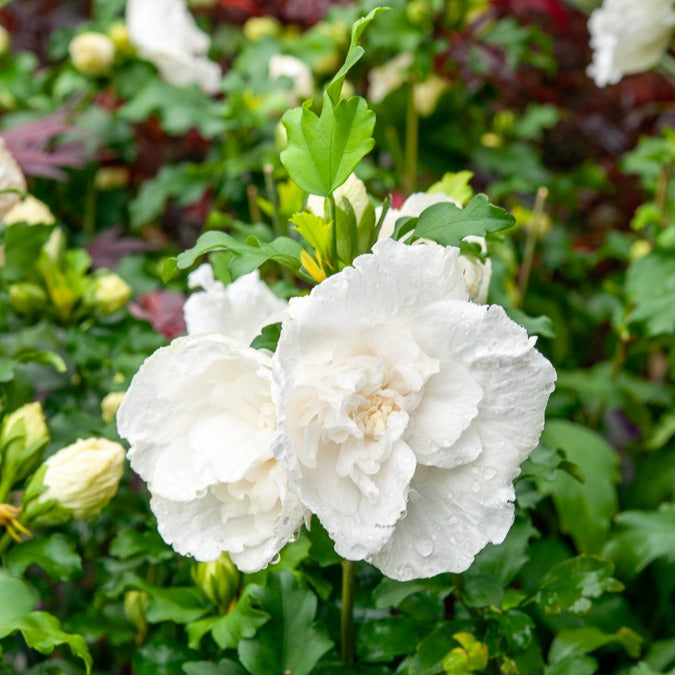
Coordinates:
(453, 541)
(276, 559)
(424, 546)
(475, 487)
(489, 472)
(474, 469)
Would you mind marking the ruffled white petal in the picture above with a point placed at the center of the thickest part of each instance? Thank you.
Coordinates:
(238, 310)
(11, 178)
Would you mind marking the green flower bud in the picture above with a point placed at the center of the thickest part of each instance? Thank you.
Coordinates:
(218, 580)
(27, 298)
(106, 294)
(5, 40)
(135, 603)
(23, 436)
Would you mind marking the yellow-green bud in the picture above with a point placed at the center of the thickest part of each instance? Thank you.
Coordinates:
(135, 603)
(119, 36)
(110, 404)
(92, 53)
(111, 177)
(218, 580)
(5, 40)
(27, 298)
(258, 27)
(107, 294)
(23, 435)
(83, 477)
(419, 12)
(639, 249)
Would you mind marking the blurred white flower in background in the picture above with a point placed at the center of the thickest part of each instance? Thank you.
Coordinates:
(298, 72)
(238, 310)
(388, 77)
(477, 274)
(405, 411)
(165, 33)
(29, 210)
(628, 36)
(11, 178)
(204, 446)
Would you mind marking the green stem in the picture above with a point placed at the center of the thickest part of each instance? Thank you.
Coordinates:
(332, 216)
(347, 617)
(278, 227)
(412, 124)
(5, 541)
(530, 244)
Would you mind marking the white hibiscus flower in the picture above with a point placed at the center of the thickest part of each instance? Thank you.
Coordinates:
(238, 310)
(405, 411)
(477, 274)
(628, 36)
(200, 421)
(165, 33)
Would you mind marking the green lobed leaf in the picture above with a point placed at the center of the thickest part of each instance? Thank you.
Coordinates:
(42, 632)
(580, 641)
(571, 585)
(382, 640)
(322, 151)
(16, 601)
(284, 250)
(447, 224)
(176, 604)
(585, 509)
(268, 338)
(354, 54)
(289, 641)
(643, 536)
(224, 667)
(23, 243)
(454, 185)
(56, 555)
(650, 286)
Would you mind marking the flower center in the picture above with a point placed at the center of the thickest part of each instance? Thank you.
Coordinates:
(373, 413)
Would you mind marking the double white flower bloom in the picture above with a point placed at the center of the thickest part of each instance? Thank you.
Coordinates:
(398, 412)
(629, 36)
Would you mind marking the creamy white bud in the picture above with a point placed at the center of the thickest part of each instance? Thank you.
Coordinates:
(92, 53)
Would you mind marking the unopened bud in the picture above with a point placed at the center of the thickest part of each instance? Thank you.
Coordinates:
(5, 40)
(107, 294)
(27, 298)
(80, 479)
(119, 36)
(218, 580)
(258, 27)
(92, 53)
(111, 177)
(110, 404)
(23, 436)
(135, 603)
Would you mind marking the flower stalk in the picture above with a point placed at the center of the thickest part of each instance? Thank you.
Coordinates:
(347, 615)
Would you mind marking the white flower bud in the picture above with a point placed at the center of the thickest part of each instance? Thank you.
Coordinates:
(426, 94)
(92, 53)
(83, 477)
(390, 76)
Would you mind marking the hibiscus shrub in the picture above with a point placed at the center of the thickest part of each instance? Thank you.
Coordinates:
(378, 303)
